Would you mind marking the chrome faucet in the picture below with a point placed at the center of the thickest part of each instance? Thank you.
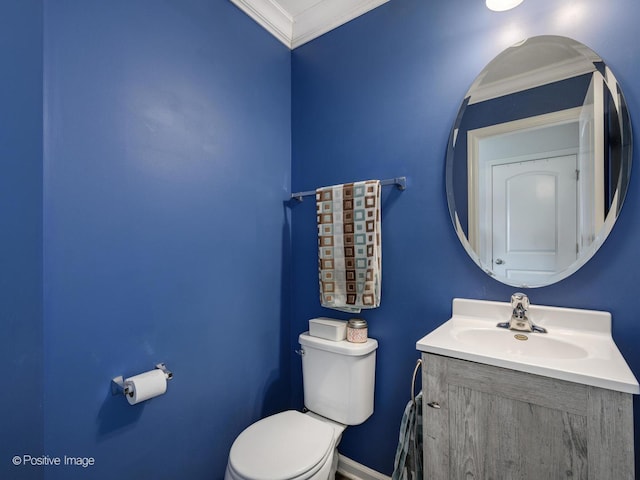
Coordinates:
(519, 319)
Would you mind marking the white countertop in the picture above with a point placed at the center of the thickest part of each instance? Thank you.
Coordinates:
(578, 346)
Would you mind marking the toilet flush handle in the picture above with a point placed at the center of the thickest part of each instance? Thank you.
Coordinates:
(300, 352)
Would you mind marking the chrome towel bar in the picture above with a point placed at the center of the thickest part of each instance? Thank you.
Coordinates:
(400, 182)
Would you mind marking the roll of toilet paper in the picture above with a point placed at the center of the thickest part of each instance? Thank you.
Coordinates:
(145, 386)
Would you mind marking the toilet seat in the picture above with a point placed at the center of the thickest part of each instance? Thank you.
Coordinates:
(286, 446)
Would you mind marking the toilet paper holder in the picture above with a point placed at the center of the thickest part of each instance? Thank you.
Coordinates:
(118, 387)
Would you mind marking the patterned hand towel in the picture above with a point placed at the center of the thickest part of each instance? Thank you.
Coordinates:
(349, 245)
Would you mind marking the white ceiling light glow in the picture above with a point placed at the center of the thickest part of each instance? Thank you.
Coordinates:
(502, 5)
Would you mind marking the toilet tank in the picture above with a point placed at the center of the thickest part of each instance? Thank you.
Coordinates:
(338, 378)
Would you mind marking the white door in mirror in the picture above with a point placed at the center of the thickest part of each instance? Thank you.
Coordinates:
(534, 218)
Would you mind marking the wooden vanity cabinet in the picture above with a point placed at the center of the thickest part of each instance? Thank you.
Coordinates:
(490, 423)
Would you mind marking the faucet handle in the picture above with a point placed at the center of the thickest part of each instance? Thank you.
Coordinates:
(520, 299)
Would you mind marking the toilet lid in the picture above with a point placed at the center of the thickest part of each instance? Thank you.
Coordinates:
(281, 446)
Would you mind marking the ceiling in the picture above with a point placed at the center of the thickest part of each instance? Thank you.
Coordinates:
(295, 22)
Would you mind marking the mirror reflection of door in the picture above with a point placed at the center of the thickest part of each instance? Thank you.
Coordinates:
(534, 220)
(524, 214)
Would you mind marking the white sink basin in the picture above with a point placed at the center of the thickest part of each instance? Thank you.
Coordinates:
(517, 344)
(578, 346)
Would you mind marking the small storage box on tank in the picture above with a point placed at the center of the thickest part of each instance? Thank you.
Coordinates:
(338, 378)
(328, 328)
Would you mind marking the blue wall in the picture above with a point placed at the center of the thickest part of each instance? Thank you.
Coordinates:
(166, 161)
(143, 217)
(21, 233)
(376, 99)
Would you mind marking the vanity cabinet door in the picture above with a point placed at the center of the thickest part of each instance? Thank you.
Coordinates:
(490, 423)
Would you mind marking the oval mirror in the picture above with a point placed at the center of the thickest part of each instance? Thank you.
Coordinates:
(538, 161)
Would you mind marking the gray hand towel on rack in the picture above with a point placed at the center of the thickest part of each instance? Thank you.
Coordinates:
(408, 460)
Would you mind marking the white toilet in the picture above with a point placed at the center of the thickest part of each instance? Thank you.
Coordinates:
(339, 379)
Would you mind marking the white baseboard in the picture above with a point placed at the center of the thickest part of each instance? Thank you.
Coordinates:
(356, 471)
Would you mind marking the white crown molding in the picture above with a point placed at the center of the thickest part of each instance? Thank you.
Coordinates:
(271, 16)
(327, 15)
(297, 30)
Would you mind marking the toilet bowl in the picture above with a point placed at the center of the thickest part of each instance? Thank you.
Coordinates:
(286, 446)
(338, 380)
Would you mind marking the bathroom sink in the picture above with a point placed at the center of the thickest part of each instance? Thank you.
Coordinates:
(578, 346)
(518, 344)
